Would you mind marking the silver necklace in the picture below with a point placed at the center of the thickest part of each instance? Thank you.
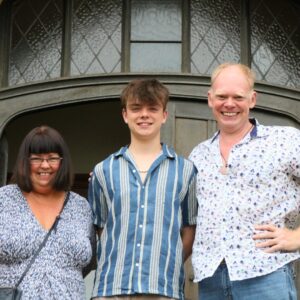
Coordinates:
(224, 168)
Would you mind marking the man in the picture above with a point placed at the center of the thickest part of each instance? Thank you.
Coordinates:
(248, 192)
(144, 203)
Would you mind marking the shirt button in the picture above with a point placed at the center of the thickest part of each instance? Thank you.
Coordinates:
(134, 171)
(142, 206)
(140, 225)
(137, 264)
(139, 245)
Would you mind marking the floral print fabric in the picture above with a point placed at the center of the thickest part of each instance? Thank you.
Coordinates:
(262, 185)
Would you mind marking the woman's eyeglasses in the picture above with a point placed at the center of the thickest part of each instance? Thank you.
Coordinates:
(52, 161)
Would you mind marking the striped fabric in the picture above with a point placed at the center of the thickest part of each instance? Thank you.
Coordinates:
(140, 249)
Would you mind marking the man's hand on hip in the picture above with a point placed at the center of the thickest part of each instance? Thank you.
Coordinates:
(276, 239)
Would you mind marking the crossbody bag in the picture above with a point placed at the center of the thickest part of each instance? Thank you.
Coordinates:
(15, 293)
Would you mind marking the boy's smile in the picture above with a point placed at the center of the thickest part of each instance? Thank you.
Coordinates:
(144, 120)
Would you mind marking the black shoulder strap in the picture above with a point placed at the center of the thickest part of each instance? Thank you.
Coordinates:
(53, 227)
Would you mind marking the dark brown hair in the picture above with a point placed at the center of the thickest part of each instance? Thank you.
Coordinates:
(43, 139)
(145, 91)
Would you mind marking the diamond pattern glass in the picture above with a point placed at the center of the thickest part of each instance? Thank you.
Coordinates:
(35, 52)
(96, 37)
(215, 34)
(275, 37)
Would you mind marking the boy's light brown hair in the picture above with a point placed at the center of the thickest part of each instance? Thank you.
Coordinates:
(145, 91)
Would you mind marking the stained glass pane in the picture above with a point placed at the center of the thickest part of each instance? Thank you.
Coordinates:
(275, 41)
(215, 34)
(35, 52)
(155, 57)
(96, 36)
(156, 20)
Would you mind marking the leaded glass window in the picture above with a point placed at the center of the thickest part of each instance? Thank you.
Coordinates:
(155, 42)
(35, 51)
(215, 34)
(96, 36)
(275, 41)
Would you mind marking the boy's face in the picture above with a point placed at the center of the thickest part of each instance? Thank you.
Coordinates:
(144, 120)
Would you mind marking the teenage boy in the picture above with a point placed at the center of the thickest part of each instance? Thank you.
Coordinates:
(144, 205)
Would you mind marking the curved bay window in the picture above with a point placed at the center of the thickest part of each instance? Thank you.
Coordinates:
(57, 38)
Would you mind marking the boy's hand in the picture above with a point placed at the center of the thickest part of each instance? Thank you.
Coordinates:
(91, 174)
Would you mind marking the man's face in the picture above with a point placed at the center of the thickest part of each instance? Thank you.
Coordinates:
(144, 121)
(231, 99)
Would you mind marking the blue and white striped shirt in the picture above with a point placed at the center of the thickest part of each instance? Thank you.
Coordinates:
(140, 250)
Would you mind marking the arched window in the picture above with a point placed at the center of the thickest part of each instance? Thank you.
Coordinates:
(57, 38)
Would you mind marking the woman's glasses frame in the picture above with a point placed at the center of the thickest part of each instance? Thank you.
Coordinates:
(52, 161)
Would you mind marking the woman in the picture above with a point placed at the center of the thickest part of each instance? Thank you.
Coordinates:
(28, 208)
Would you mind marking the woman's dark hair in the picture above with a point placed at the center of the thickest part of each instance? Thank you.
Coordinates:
(43, 139)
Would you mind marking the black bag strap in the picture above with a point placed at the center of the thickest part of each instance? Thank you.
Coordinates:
(53, 227)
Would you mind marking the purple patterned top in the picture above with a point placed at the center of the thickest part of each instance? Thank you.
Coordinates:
(57, 270)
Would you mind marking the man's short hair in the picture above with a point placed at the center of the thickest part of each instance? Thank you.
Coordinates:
(145, 91)
(249, 74)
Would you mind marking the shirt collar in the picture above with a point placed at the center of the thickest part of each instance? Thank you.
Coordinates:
(121, 151)
(253, 133)
(166, 150)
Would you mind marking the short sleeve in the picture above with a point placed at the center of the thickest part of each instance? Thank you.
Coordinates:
(190, 204)
(97, 199)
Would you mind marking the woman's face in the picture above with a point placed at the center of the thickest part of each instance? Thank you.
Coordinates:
(43, 169)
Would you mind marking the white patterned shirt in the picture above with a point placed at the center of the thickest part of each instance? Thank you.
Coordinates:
(262, 186)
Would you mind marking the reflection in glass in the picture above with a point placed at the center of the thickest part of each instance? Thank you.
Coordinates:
(155, 57)
(96, 37)
(156, 20)
(275, 43)
(35, 52)
(215, 34)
